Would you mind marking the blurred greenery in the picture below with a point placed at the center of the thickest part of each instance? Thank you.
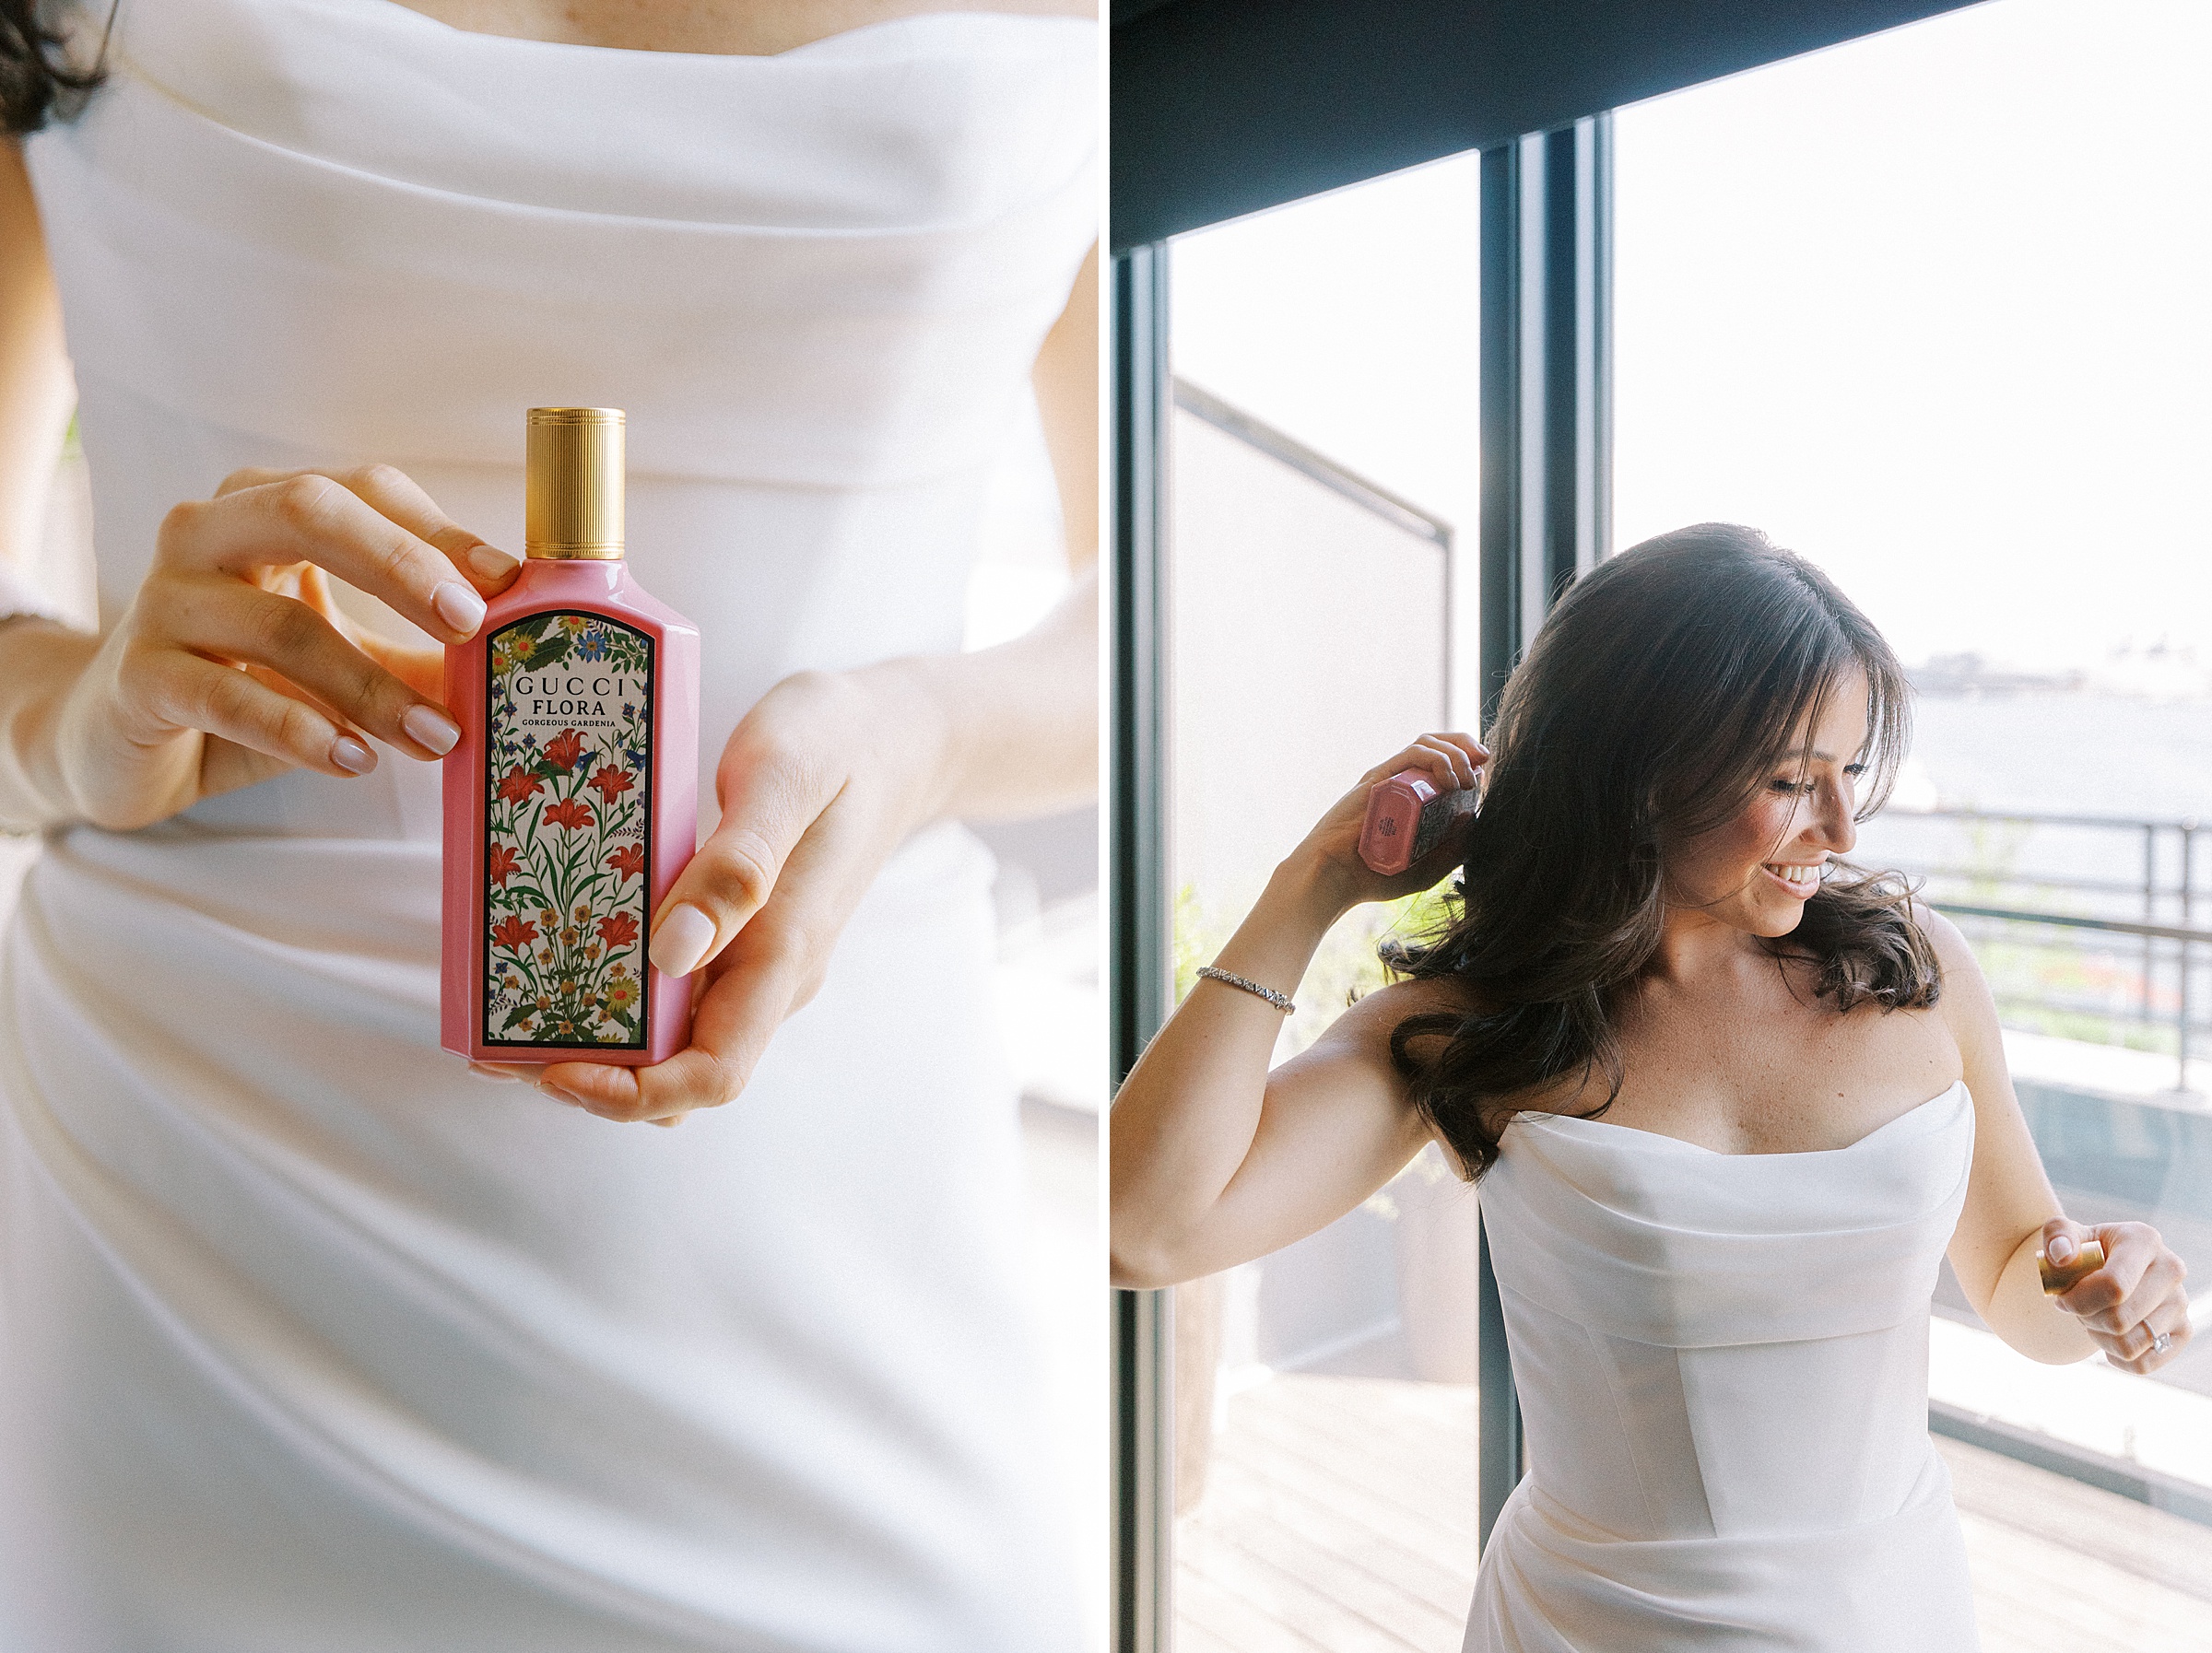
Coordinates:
(1347, 967)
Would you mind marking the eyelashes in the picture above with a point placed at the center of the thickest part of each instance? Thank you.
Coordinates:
(1790, 787)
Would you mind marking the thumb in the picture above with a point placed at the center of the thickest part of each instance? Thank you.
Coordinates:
(2063, 1237)
(766, 812)
(2064, 1262)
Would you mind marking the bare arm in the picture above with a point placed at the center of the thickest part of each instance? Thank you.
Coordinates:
(1020, 720)
(2011, 1212)
(42, 657)
(1215, 1160)
(34, 372)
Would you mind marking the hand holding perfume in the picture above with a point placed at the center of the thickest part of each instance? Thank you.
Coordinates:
(572, 800)
(2060, 1278)
(1408, 815)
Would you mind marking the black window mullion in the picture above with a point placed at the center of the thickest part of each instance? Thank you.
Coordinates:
(1141, 985)
(1546, 442)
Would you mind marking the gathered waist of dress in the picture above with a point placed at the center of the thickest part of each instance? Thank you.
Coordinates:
(1929, 1488)
(379, 898)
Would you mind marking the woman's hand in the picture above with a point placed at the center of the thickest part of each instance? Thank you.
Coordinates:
(2137, 1295)
(822, 780)
(233, 663)
(1330, 855)
(1217, 1156)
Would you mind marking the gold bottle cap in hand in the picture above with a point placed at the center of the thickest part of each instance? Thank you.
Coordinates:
(2062, 1277)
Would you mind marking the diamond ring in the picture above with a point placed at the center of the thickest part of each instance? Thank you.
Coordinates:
(2160, 1343)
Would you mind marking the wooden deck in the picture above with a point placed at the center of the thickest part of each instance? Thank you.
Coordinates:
(1339, 1518)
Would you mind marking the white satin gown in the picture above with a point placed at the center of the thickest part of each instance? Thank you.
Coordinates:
(1723, 1366)
(313, 1342)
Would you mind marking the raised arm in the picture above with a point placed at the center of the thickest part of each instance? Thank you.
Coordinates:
(1215, 1160)
(2011, 1213)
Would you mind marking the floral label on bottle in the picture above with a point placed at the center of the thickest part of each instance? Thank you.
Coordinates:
(568, 821)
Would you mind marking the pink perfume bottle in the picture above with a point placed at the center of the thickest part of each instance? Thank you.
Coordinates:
(572, 800)
(1408, 815)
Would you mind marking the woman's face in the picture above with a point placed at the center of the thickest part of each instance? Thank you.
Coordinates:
(1755, 873)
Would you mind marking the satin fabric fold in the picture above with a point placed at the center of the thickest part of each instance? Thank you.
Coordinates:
(1722, 1362)
(310, 1339)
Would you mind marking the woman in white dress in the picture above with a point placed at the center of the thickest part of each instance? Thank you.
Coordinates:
(1730, 1102)
(312, 1340)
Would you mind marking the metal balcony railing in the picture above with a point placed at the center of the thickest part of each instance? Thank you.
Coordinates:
(2131, 958)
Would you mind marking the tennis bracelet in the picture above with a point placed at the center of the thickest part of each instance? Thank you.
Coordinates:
(1280, 1001)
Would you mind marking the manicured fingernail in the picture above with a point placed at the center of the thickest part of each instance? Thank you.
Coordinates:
(458, 607)
(427, 726)
(351, 756)
(490, 564)
(559, 1095)
(2061, 1249)
(681, 941)
(493, 1075)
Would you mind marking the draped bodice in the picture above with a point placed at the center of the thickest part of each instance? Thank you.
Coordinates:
(324, 232)
(1712, 1344)
(311, 1338)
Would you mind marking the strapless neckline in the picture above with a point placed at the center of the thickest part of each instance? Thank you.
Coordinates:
(860, 35)
(1949, 1093)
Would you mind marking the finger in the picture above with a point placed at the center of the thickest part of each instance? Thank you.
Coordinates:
(2142, 1275)
(766, 973)
(1458, 768)
(765, 812)
(392, 491)
(311, 518)
(1476, 753)
(2136, 1349)
(1427, 759)
(2125, 1258)
(400, 498)
(186, 692)
(237, 621)
(421, 669)
(2062, 1239)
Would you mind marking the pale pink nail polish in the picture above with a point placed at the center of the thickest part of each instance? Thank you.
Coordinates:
(571, 799)
(457, 606)
(490, 564)
(682, 940)
(427, 726)
(351, 756)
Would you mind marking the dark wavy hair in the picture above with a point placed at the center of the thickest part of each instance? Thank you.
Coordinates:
(1666, 686)
(37, 78)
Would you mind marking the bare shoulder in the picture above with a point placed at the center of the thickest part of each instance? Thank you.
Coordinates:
(1963, 983)
(1952, 951)
(1966, 1005)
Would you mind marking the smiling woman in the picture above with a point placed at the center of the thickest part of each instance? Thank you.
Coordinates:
(1655, 768)
(1716, 1295)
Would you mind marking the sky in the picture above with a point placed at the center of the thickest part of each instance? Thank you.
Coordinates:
(1933, 308)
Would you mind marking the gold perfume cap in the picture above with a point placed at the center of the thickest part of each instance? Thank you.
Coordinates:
(572, 499)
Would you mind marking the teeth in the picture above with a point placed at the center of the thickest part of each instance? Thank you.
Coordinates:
(1804, 877)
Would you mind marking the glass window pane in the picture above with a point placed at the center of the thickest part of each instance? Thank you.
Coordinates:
(1323, 452)
(1928, 308)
